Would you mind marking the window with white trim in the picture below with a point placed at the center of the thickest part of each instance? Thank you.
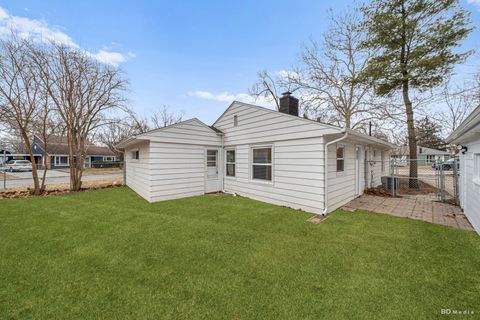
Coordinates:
(340, 158)
(136, 155)
(230, 163)
(262, 163)
(109, 159)
(60, 161)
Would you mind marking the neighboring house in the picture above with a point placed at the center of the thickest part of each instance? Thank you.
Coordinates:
(467, 139)
(56, 155)
(425, 156)
(275, 157)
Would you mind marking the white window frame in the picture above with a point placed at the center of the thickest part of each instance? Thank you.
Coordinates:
(234, 163)
(263, 181)
(134, 157)
(339, 146)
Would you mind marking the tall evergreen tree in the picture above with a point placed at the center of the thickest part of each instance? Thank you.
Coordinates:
(429, 134)
(414, 42)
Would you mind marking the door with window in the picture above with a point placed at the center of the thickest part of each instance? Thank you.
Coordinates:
(212, 182)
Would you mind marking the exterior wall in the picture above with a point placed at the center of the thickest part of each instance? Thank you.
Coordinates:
(176, 170)
(470, 185)
(297, 156)
(138, 171)
(297, 175)
(173, 163)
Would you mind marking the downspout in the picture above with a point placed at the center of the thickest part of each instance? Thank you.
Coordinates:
(223, 163)
(325, 196)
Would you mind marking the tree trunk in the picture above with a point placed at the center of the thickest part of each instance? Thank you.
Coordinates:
(36, 184)
(412, 139)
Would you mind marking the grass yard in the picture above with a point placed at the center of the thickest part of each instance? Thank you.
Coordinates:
(109, 254)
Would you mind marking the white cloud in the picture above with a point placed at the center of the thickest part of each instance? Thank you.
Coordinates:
(475, 2)
(229, 97)
(41, 31)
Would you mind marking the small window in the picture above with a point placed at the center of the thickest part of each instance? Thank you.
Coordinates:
(230, 163)
(340, 159)
(60, 161)
(262, 164)
(136, 155)
(235, 120)
(108, 159)
(211, 158)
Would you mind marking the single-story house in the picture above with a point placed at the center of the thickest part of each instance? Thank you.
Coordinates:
(275, 157)
(56, 154)
(467, 140)
(425, 156)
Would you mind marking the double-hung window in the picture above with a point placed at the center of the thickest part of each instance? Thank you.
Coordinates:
(340, 158)
(262, 163)
(230, 163)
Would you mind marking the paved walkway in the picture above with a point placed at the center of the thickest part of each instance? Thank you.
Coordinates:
(419, 209)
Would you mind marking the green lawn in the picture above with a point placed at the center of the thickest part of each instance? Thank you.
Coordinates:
(109, 254)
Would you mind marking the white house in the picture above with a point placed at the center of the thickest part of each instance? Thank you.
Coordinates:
(272, 156)
(467, 139)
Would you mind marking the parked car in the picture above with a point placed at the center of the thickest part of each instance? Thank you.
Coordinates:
(19, 165)
(446, 165)
(400, 163)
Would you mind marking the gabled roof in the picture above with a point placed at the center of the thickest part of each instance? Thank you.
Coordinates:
(404, 150)
(144, 136)
(59, 145)
(239, 103)
(467, 127)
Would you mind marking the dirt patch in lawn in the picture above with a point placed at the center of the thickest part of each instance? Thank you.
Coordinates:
(60, 189)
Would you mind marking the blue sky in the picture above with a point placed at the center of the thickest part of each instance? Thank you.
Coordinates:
(194, 56)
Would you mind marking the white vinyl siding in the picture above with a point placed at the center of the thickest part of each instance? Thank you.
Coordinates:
(470, 183)
(138, 170)
(191, 132)
(258, 126)
(297, 180)
(176, 170)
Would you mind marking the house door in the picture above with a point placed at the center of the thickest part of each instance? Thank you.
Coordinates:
(212, 182)
(357, 170)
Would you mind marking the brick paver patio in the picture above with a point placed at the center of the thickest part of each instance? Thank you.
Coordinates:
(419, 209)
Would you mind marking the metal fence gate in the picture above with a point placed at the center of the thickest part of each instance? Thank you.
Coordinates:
(435, 180)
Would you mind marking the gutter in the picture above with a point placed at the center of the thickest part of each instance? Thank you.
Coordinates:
(223, 162)
(325, 196)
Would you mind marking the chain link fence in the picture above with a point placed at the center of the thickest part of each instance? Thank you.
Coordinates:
(437, 180)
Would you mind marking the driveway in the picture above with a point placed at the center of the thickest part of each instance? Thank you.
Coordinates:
(24, 179)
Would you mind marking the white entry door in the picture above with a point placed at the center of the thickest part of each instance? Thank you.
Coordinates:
(357, 170)
(212, 182)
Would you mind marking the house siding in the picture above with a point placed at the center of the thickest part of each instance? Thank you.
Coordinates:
(470, 185)
(297, 151)
(297, 177)
(138, 171)
(176, 170)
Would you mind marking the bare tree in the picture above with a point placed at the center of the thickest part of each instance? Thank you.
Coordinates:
(165, 117)
(22, 97)
(459, 103)
(83, 92)
(270, 87)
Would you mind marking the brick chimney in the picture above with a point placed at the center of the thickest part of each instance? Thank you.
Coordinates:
(288, 104)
